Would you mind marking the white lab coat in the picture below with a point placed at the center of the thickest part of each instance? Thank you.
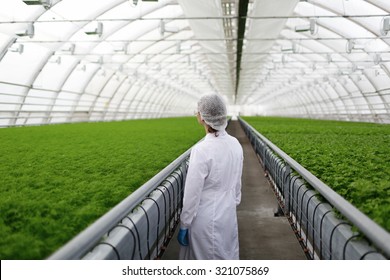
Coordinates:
(211, 194)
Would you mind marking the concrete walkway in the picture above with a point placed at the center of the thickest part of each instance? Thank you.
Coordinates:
(261, 235)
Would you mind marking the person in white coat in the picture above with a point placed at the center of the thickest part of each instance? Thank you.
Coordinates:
(208, 220)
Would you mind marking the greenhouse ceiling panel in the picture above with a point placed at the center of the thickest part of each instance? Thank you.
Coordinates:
(84, 60)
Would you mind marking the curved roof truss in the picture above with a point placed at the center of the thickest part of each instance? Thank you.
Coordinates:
(72, 60)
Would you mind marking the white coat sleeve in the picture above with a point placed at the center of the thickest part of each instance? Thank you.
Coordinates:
(196, 175)
(238, 184)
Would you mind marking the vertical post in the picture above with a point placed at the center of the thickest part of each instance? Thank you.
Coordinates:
(255, 145)
(286, 188)
(264, 155)
(183, 169)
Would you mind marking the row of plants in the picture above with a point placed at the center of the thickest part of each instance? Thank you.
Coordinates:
(352, 158)
(56, 180)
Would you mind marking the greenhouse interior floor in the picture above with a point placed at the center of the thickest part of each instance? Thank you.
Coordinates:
(262, 236)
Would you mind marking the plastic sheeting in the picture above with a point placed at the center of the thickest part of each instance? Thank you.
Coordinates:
(339, 69)
(72, 60)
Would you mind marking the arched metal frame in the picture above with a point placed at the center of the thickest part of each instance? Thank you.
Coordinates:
(266, 89)
(95, 111)
(195, 54)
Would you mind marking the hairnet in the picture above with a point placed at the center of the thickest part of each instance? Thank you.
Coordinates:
(212, 110)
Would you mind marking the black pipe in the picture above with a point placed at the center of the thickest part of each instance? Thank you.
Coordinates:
(242, 12)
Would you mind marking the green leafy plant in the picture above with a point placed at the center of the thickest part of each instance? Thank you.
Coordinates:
(352, 158)
(56, 180)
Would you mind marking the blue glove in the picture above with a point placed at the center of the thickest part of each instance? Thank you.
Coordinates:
(182, 237)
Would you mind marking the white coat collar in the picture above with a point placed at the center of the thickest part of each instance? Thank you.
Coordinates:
(221, 133)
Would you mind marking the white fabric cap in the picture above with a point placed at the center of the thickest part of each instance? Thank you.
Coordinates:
(212, 110)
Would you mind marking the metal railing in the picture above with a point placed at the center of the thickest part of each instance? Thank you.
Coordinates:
(310, 207)
(140, 226)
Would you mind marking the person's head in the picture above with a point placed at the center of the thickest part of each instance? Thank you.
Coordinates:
(212, 110)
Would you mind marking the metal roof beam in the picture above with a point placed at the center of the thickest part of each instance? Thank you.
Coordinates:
(242, 11)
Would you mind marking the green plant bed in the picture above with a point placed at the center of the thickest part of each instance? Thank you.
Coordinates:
(352, 158)
(56, 180)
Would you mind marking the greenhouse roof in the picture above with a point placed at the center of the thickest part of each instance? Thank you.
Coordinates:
(85, 60)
